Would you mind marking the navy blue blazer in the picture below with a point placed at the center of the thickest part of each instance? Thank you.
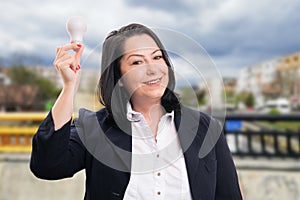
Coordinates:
(95, 143)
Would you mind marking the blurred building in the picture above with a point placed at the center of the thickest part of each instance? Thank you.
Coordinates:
(289, 77)
(230, 84)
(273, 79)
(260, 80)
(18, 97)
(215, 91)
(4, 79)
(88, 81)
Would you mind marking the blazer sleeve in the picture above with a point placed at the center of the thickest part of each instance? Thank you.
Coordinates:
(56, 154)
(227, 179)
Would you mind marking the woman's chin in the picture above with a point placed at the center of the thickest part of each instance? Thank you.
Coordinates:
(150, 94)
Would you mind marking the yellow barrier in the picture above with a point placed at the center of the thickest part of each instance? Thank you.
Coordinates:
(22, 116)
(16, 130)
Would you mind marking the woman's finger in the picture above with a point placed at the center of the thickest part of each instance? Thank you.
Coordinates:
(66, 59)
(78, 54)
(71, 46)
(65, 62)
(61, 59)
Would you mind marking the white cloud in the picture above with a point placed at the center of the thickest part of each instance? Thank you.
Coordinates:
(233, 32)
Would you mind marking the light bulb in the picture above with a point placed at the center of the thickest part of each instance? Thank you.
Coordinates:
(76, 27)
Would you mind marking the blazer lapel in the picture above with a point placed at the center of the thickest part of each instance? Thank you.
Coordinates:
(187, 125)
(121, 145)
(107, 143)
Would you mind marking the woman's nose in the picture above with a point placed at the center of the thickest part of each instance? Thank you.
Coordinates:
(151, 69)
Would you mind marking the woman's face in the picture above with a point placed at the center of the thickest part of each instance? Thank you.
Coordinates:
(144, 71)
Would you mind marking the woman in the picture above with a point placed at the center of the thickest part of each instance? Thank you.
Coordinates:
(143, 144)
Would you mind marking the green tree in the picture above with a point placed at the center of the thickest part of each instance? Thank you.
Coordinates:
(187, 96)
(201, 97)
(249, 100)
(230, 97)
(246, 97)
(19, 75)
(22, 75)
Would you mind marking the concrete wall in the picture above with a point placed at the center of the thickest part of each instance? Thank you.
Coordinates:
(269, 179)
(261, 179)
(18, 183)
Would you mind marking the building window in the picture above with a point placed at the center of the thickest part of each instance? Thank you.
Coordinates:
(296, 58)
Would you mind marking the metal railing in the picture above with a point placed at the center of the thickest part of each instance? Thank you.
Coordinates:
(246, 139)
(247, 136)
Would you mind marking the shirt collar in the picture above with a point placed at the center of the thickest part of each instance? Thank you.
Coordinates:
(134, 116)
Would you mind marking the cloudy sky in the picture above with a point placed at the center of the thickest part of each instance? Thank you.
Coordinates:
(234, 33)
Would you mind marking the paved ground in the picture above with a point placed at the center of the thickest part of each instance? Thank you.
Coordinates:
(261, 179)
(269, 179)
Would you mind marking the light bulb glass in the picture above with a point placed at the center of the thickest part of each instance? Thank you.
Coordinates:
(76, 27)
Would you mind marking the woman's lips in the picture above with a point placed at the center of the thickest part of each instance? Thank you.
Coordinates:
(153, 82)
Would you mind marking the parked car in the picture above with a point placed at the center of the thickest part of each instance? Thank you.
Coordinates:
(282, 105)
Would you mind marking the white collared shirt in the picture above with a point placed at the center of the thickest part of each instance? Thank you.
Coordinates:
(158, 169)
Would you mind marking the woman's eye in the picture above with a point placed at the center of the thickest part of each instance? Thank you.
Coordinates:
(157, 57)
(137, 62)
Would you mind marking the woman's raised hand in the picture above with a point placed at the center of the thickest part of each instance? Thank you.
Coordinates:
(68, 63)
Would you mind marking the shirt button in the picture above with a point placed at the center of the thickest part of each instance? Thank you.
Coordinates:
(157, 155)
(158, 193)
(158, 174)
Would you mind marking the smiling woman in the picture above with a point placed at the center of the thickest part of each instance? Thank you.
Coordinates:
(144, 144)
(145, 76)
(134, 50)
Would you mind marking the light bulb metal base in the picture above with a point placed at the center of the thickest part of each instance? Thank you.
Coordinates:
(76, 41)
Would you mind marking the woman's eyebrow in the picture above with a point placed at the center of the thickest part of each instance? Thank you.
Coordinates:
(131, 55)
(140, 55)
(155, 51)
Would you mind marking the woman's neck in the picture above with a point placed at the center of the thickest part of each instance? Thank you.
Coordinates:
(148, 109)
(152, 112)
